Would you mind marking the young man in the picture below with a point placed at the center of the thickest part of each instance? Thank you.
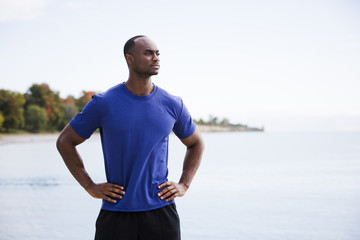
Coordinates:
(135, 119)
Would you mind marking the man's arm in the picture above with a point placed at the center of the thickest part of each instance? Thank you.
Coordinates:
(66, 145)
(195, 147)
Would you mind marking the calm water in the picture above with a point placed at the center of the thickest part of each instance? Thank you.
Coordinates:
(274, 186)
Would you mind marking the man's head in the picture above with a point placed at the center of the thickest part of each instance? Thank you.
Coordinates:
(130, 43)
(142, 55)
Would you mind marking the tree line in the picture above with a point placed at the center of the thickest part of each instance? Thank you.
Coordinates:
(39, 109)
(42, 109)
(216, 121)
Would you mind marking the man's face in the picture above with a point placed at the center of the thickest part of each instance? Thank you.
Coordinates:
(146, 57)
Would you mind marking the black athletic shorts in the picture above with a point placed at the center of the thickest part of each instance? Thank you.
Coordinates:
(158, 224)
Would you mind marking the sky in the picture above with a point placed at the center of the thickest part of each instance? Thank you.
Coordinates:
(285, 65)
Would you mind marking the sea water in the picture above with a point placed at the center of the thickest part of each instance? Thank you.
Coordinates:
(250, 185)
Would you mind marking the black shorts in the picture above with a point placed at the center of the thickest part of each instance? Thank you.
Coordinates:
(158, 224)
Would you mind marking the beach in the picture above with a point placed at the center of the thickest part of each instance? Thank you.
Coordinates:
(43, 137)
(27, 138)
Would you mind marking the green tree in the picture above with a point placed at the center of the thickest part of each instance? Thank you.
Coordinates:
(70, 110)
(42, 96)
(224, 122)
(1, 120)
(84, 99)
(36, 118)
(200, 122)
(12, 108)
(213, 120)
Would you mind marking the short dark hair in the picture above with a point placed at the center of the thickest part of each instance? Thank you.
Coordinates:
(130, 43)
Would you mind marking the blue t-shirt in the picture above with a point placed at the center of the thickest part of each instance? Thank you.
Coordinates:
(135, 135)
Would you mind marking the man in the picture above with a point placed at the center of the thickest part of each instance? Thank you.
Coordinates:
(135, 119)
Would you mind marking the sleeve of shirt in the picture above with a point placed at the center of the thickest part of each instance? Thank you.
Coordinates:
(88, 120)
(184, 126)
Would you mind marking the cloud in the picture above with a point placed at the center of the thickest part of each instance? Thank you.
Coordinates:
(11, 10)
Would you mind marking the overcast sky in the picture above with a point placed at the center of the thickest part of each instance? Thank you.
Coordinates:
(285, 65)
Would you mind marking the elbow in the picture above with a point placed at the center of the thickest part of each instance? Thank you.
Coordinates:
(59, 143)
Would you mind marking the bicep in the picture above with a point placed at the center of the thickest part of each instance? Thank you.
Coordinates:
(68, 135)
(194, 139)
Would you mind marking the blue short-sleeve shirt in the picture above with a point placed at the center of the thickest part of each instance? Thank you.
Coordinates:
(135, 135)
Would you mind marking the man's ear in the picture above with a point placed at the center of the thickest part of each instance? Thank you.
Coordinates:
(129, 59)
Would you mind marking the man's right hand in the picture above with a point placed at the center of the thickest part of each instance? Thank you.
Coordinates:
(106, 191)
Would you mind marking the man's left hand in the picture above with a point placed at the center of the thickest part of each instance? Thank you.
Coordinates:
(171, 190)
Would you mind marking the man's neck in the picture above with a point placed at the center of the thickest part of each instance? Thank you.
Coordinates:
(140, 86)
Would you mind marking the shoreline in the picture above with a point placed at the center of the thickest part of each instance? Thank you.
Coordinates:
(217, 128)
(11, 138)
(26, 137)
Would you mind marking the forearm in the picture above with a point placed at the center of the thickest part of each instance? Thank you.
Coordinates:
(191, 163)
(74, 163)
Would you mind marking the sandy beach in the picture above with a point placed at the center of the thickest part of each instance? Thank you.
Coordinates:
(45, 137)
(27, 138)
(208, 128)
